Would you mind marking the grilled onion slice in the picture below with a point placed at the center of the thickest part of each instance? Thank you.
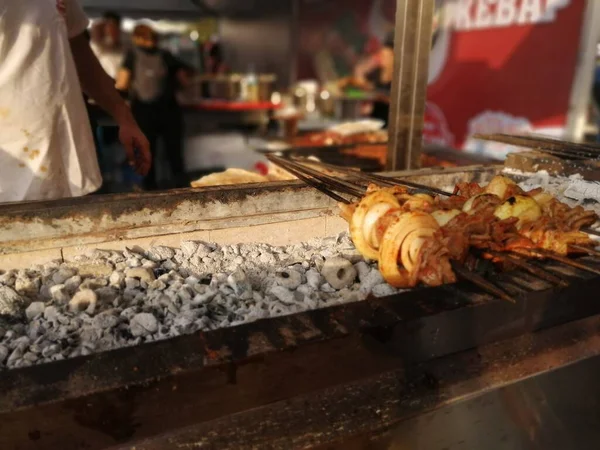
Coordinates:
(499, 186)
(346, 211)
(479, 202)
(443, 216)
(362, 226)
(524, 208)
(402, 243)
(418, 202)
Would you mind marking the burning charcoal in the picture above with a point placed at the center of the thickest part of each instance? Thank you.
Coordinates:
(240, 284)
(157, 285)
(23, 341)
(206, 297)
(313, 278)
(206, 280)
(95, 268)
(51, 313)
(317, 261)
(160, 253)
(27, 286)
(62, 275)
(116, 278)
(188, 248)
(184, 294)
(161, 274)
(84, 300)
(50, 350)
(10, 301)
(143, 274)
(30, 357)
(326, 287)
(172, 308)
(35, 309)
(116, 257)
(45, 291)
(192, 281)
(169, 265)
(185, 321)
(17, 353)
(305, 289)
(94, 283)
(363, 270)
(381, 290)
(147, 264)
(8, 278)
(132, 283)
(370, 281)
(338, 272)
(143, 324)
(283, 295)
(105, 320)
(134, 262)
(189, 292)
(106, 294)
(289, 278)
(59, 293)
(3, 353)
(98, 254)
(73, 283)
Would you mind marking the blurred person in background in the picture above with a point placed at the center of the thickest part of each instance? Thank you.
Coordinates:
(375, 74)
(109, 49)
(96, 33)
(152, 77)
(596, 92)
(215, 62)
(46, 145)
(108, 46)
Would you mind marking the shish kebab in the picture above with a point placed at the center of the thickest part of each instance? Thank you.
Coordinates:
(415, 237)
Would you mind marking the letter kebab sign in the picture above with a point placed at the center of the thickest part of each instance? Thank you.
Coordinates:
(501, 66)
(482, 14)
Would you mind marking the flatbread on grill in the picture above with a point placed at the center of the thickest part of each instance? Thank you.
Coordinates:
(230, 176)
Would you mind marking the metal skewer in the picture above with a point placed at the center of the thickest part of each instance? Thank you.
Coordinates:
(556, 257)
(481, 282)
(389, 181)
(538, 272)
(589, 251)
(552, 146)
(313, 182)
(336, 183)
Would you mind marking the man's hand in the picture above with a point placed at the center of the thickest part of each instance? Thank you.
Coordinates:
(136, 146)
(100, 87)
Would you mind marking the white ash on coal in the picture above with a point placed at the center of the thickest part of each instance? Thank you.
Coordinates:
(114, 299)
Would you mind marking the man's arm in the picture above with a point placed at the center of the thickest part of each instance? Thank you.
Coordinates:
(100, 87)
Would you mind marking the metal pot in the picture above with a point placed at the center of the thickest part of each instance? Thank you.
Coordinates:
(232, 87)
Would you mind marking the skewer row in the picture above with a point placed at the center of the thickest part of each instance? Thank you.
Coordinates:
(316, 175)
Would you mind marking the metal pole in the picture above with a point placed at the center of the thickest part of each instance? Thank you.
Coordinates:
(412, 45)
(584, 73)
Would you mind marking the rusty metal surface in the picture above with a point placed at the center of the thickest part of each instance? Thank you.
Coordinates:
(532, 161)
(131, 394)
(380, 411)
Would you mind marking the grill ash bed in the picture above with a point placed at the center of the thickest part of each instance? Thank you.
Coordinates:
(315, 377)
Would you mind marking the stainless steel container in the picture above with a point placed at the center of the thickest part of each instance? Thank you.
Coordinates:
(231, 87)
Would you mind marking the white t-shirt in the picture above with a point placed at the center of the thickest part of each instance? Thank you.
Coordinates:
(110, 60)
(46, 145)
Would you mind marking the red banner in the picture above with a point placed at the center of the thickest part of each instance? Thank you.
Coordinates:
(495, 66)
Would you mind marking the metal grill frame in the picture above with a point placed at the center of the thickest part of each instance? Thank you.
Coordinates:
(123, 396)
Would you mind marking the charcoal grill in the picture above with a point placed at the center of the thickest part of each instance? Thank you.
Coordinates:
(321, 377)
